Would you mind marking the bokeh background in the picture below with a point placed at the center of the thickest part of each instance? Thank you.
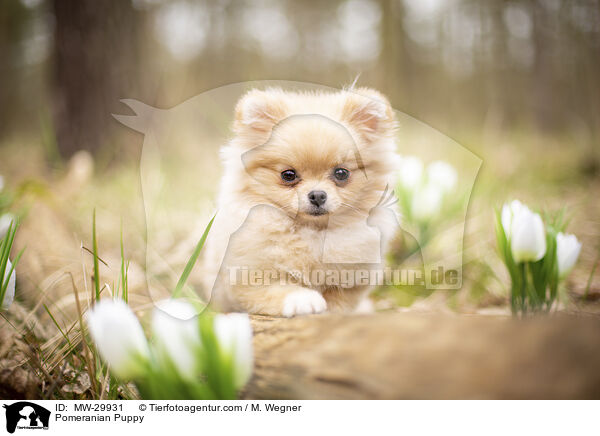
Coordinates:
(517, 83)
(473, 70)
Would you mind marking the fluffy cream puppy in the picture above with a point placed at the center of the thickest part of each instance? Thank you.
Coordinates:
(299, 205)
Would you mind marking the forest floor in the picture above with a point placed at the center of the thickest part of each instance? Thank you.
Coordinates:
(39, 335)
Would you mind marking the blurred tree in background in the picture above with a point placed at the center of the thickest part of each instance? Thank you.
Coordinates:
(95, 58)
(467, 68)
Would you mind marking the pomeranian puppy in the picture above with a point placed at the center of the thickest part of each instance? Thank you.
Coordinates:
(299, 207)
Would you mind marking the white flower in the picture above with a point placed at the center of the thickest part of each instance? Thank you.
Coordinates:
(442, 174)
(119, 337)
(525, 232)
(427, 201)
(508, 212)
(9, 295)
(176, 330)
(411, 171)
(234, 333)
(1, 183)
(567, 251)
(5, 221)
(528, 237)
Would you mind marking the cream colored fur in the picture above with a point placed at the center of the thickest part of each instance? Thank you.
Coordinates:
(264, 224)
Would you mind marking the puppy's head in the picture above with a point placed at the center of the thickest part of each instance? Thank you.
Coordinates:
(316, 155)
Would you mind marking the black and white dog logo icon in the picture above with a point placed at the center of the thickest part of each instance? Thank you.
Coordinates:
(26, 415)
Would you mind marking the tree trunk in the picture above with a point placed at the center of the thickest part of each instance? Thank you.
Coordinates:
(95, 64)
(417, 356)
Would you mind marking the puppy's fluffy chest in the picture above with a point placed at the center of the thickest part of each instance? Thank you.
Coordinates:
(278, 240)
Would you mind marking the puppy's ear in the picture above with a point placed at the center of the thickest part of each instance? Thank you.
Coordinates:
(369, 113)
(258, 111)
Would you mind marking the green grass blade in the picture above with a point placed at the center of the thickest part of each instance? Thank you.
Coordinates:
(124, 271)
(64, 335)
(95, 252)
(5, 247)
(192, 261)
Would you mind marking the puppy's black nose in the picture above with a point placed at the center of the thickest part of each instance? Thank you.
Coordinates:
(318, 198)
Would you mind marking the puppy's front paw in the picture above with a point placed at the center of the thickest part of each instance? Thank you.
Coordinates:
(303, 303)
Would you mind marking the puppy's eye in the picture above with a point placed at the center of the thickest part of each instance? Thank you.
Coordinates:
(341, 174)
(289, 175)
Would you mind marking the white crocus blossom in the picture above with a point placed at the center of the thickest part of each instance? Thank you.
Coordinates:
(234, 333)
(176, 330)
(411, 171)
(427, 201)
(442, 174)
(508, 212)
(528, 236)
(119, 337)
(9, 295)
(5, 221)
(567, 252)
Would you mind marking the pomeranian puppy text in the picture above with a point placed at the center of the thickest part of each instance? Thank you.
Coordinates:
(304, 178)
